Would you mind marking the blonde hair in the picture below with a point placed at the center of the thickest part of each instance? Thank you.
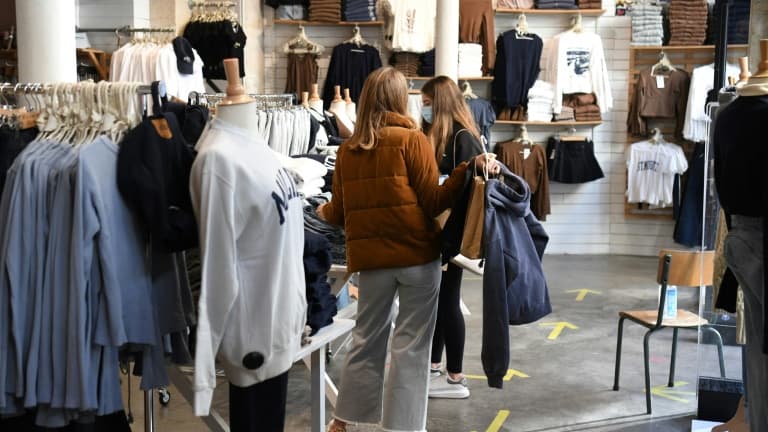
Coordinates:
(448, 106)
(385, 91)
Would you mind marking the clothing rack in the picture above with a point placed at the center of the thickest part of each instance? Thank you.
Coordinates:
(263, 101)
(15, 90)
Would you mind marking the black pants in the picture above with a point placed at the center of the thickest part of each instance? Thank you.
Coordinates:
(260, 407)
(449, 329)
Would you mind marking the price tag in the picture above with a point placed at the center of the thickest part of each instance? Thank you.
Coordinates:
(660, 81)
(526, 153)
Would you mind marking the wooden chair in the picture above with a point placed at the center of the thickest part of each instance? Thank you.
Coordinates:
(678, 268)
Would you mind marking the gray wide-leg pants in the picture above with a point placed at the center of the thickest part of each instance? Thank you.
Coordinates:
(400, 404)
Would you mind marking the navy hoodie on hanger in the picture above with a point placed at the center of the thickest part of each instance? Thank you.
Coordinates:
(514, 287)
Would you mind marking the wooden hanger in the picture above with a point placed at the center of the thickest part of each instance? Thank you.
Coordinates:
(522, 25)
(356, 38)
(576, 23)
(571, 136)
(302, 45)
(663, 65)
(656, 136)
(467, 91)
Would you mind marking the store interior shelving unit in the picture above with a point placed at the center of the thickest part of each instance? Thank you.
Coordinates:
(329, 23)
(583, 12)
(682, 57)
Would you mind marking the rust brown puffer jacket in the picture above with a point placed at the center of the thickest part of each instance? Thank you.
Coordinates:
(387, 198)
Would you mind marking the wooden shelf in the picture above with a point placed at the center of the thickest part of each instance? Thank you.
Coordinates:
(328, 23)
(583, 12)
(684, 47)
(425, 78)
(552, 124)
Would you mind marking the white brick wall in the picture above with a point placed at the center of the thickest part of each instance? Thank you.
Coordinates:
(585, 219)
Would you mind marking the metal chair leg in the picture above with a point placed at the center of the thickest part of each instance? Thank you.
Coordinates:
(719, 343)
(619, 338)
(646, 363)
(671, 382)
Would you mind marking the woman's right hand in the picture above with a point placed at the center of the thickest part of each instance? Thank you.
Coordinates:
(320, 211)
(487, 161)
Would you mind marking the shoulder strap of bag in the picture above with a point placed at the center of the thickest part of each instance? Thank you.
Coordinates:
(455, 136)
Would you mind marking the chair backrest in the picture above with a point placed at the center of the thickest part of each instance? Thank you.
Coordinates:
(687, 268)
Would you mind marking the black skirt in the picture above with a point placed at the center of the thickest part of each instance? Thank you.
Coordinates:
(572, 161)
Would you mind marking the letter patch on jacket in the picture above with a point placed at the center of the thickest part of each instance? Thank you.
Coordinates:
(286, 191)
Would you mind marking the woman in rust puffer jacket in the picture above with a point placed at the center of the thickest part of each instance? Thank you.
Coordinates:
(386, 196)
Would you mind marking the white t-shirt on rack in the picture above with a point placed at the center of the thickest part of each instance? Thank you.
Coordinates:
(652, 168)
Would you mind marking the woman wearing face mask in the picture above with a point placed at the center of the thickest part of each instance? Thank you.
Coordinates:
(453, 134)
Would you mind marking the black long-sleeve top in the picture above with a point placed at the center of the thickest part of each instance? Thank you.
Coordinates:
(516, 68)
(350, 66)
(740, 160)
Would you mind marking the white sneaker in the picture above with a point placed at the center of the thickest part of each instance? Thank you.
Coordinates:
(446, 388)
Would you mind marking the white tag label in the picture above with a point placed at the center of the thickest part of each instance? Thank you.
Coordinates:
(659, 81)
(526, 153)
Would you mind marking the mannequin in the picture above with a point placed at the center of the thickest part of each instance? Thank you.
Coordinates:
(739, 161)
(252, 302)
(314, 101)
(305, 99)
(237, 108)
(745, 73)
(339, 109)
(351, 106)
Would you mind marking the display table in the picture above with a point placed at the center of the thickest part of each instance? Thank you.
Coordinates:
(313, 355)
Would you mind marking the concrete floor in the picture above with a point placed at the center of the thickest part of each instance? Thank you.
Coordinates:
(569, 381)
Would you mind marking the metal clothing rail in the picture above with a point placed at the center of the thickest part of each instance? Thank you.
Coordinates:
(264, 101)
(126, 29)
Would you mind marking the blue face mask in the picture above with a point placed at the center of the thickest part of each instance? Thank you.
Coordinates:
(426, 113)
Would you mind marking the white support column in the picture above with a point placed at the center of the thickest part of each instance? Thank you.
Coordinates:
(46, 40)
(758, 29)
(447, 39)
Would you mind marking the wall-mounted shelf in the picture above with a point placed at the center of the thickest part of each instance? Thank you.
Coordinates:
(686, 57)
(583, 12)
(684, 47)
(549, 124)
(324, 23)
(426, 78)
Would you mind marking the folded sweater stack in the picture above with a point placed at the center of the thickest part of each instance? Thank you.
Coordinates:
(556, 4)
(540, 98)
(738, 23)
(405, 62)
(590, 4)
(359, 10)
(584, 106)
(688, 22)
(647, 25)
(325, 10)
(516, 4)
(470, 60)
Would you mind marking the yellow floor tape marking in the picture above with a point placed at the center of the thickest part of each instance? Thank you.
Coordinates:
(558, 328)
(670, 393)
(498, 422)
(583, 293)
(511, 373)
